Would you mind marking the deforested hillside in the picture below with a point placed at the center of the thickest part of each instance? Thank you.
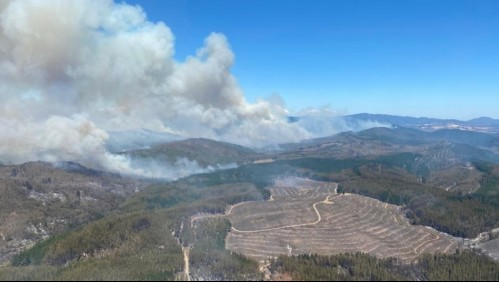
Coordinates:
(305, 217)
(39, 200)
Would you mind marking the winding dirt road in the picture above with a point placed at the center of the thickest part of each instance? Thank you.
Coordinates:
(353, 223)
(327, 201)
(187, 273)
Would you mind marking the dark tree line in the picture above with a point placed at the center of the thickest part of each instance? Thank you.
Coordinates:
(465, 266)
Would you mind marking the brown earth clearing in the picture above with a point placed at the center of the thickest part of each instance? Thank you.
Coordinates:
(309, 217)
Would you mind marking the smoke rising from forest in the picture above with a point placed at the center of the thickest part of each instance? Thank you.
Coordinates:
(71, 71)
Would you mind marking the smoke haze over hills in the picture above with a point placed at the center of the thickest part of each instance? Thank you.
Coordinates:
(70, 71)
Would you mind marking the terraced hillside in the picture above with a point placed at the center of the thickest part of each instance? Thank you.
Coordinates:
(305, 216)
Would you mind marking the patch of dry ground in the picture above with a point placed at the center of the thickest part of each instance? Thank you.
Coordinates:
(491, 248)
(305, 216)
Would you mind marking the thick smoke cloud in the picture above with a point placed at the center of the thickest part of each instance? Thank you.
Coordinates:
(71, 71)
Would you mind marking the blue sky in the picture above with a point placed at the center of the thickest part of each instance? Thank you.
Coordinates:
(418, 58)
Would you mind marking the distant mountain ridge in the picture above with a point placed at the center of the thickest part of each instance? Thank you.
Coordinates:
(471, 146)
(204, 151)
(481, 124)
(121, 141)
(134, 139)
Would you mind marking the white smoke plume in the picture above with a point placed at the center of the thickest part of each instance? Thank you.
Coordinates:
(323, 121)
(71, 71)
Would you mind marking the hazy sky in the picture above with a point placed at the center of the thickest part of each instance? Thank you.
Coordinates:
(420, 58)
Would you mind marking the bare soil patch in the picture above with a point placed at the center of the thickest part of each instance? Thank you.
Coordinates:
(306, 217)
